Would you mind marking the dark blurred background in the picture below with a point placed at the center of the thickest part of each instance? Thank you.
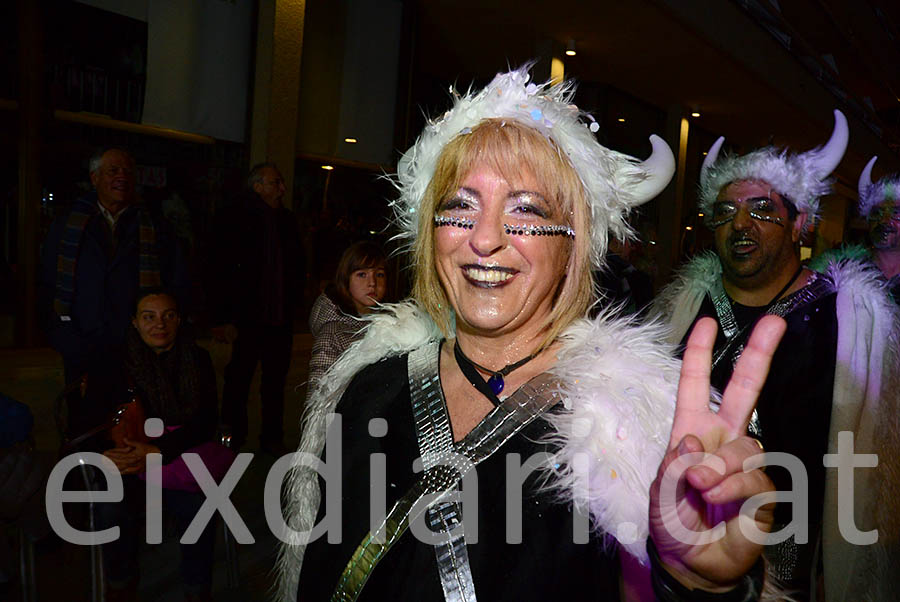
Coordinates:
(334, 90)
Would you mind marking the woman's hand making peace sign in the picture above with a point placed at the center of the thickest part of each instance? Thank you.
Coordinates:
(701, 484)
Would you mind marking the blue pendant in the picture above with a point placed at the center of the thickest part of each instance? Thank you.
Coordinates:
(496, 383)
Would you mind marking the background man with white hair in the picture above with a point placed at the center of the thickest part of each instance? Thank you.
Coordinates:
(97, 256)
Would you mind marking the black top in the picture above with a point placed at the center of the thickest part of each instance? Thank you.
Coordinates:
(622, 284)
(108, 388)
(255, 267)
(546, 565)
(794, 405)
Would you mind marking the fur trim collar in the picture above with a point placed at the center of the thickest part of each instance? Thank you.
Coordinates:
(399, 329)
(679, 302)
(619, 385)
(864, 283)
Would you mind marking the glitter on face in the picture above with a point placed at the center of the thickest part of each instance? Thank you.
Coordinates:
(501, 282)
(513, 229)
(762, 208)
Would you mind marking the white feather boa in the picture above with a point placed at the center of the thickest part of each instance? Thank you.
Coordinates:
(619, 388)
(619, 384)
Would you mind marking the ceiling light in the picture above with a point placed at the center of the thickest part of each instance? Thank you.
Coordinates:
(328, 167)
(570, 48)
(350, 140)
(695, 114)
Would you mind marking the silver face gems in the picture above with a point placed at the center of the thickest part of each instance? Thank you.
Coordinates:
(522, 230)
(517, 230)
(775, 219)
(762, 208)
(715, 223)
(456, 222)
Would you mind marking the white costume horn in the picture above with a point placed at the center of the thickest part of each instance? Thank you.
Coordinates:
(827, 158)
(865, 178)
(659, 167)
(712, 155)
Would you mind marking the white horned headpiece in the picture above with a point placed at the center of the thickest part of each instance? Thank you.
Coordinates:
(801, 178)
(614, 182)
(872, 195)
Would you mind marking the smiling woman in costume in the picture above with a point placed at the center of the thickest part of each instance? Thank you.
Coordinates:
(516, 408)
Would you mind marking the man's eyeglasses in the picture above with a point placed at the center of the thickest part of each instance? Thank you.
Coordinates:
(762, 208)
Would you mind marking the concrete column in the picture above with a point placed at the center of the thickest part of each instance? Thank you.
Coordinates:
(671, 201)
(276, 88)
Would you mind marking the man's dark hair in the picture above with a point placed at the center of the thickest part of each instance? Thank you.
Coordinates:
(156, 290)
(790, 206)
(255, 174)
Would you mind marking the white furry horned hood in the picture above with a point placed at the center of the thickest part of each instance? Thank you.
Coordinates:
(618, 385)
(872, 195)
(614, 182)
(801, 178)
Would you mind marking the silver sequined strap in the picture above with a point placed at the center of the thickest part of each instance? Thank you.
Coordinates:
(429, 408)
(436, 437)
(814, 289)
(451, 554)
(723, 310)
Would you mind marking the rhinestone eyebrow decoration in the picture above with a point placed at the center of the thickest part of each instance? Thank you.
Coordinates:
(520, 230)
(775, 219)
(456, 222)
(517, 230)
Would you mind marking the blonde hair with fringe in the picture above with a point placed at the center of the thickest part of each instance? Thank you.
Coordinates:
(508, 148)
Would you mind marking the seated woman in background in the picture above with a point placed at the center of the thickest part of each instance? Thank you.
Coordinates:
(175, 381)
(360, 282)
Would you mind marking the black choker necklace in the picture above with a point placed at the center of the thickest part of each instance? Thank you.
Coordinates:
(778, 294)
(495, 382)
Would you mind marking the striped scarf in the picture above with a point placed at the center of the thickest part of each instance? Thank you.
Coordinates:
(70, 245)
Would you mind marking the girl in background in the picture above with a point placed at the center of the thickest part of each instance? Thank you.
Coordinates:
(360, 283)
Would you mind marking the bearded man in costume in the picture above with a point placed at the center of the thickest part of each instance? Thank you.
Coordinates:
(491, 371)
(832, 370)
